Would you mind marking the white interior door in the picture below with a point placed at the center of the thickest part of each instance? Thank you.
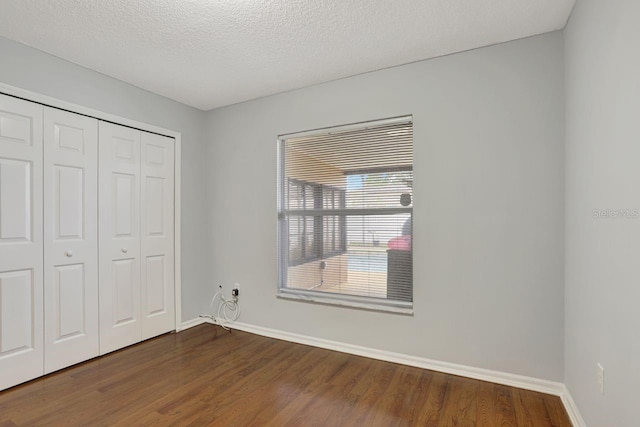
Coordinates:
(157, 193)
(119, 236)
(70, 238)
(21, 324)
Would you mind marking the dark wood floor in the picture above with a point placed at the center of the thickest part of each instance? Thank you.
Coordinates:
(207, 376)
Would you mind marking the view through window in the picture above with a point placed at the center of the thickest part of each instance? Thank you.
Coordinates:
(345, 206)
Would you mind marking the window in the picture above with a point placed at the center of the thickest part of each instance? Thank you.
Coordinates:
(345, 214)
(311, 237)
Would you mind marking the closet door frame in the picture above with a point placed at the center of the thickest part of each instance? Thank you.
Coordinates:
(123, 121)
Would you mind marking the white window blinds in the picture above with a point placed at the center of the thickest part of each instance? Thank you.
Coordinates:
(345, 204)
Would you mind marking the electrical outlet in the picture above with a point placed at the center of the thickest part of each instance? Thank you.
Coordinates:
(600, 377)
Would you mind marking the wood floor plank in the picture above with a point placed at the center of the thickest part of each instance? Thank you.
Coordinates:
(536, 405)
(460, 404)
(436, 395)
(205, 376)
(486, 407)
(419, 394)
(505, 412)
(557, 414)
(399, 398)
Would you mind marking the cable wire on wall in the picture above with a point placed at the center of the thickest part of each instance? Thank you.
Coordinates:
(222, 310)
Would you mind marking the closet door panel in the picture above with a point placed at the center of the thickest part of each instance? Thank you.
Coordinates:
(15, 190)
(16, 294)
(21, 282)
(119, 232)
(158, 308)
(125, 285)
(70, 238)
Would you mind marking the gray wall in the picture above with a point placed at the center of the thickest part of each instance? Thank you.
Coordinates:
(489, 205)
(36, 71)
(603, 255)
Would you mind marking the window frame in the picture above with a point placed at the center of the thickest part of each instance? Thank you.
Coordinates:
(360, 302)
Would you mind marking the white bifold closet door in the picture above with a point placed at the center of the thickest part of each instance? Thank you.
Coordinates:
(157, 240)
(21, 283)
(70, 238)
(136, 236)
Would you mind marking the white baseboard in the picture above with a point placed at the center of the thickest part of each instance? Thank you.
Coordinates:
(498, 377)
(191, 323)
(572, 409)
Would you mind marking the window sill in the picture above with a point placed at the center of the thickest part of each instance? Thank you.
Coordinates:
(345, 301)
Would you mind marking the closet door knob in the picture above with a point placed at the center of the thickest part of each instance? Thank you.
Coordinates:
(124, 250)
(69, 254)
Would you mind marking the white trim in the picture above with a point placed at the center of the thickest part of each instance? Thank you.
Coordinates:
(100, 115)
(177, 232)
(191, 323)
(505, 378)
(344, 301)
(498, 377)
(75, 108)
(351, 126)
(572, 409)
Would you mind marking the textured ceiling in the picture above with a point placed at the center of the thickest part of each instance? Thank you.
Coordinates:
(210, 53)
